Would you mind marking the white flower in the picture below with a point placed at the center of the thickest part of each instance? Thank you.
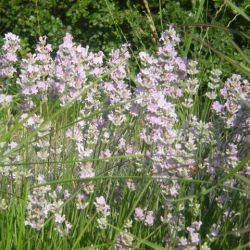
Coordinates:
(40, 179)
(59, 218)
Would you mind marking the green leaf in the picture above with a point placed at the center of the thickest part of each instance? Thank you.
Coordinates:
(243, 178)
(238, 10)
(245, 70)
(152, 245)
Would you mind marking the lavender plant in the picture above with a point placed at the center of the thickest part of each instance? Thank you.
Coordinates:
(90, 160)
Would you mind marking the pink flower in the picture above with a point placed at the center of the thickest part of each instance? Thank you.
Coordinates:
(100, 200)
(101, 206)
(217, 107)
(149, 221)
(139, 214)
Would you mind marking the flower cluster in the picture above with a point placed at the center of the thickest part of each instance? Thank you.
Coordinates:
(36, 71)
(125, 239)
(103, 210)
(145, 216)
(108, 113)
(41, 203)
(233, 113)
(8, 55)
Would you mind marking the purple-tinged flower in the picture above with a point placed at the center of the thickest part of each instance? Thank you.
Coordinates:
(86, 171)
(196, 225)
(217, 107)
(101, 206)
(194, 236)
(59, 218)
(8, 55)
(182, 242)
(149, 220)
(139, 214)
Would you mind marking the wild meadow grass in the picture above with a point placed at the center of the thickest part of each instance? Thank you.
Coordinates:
(95, 157)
